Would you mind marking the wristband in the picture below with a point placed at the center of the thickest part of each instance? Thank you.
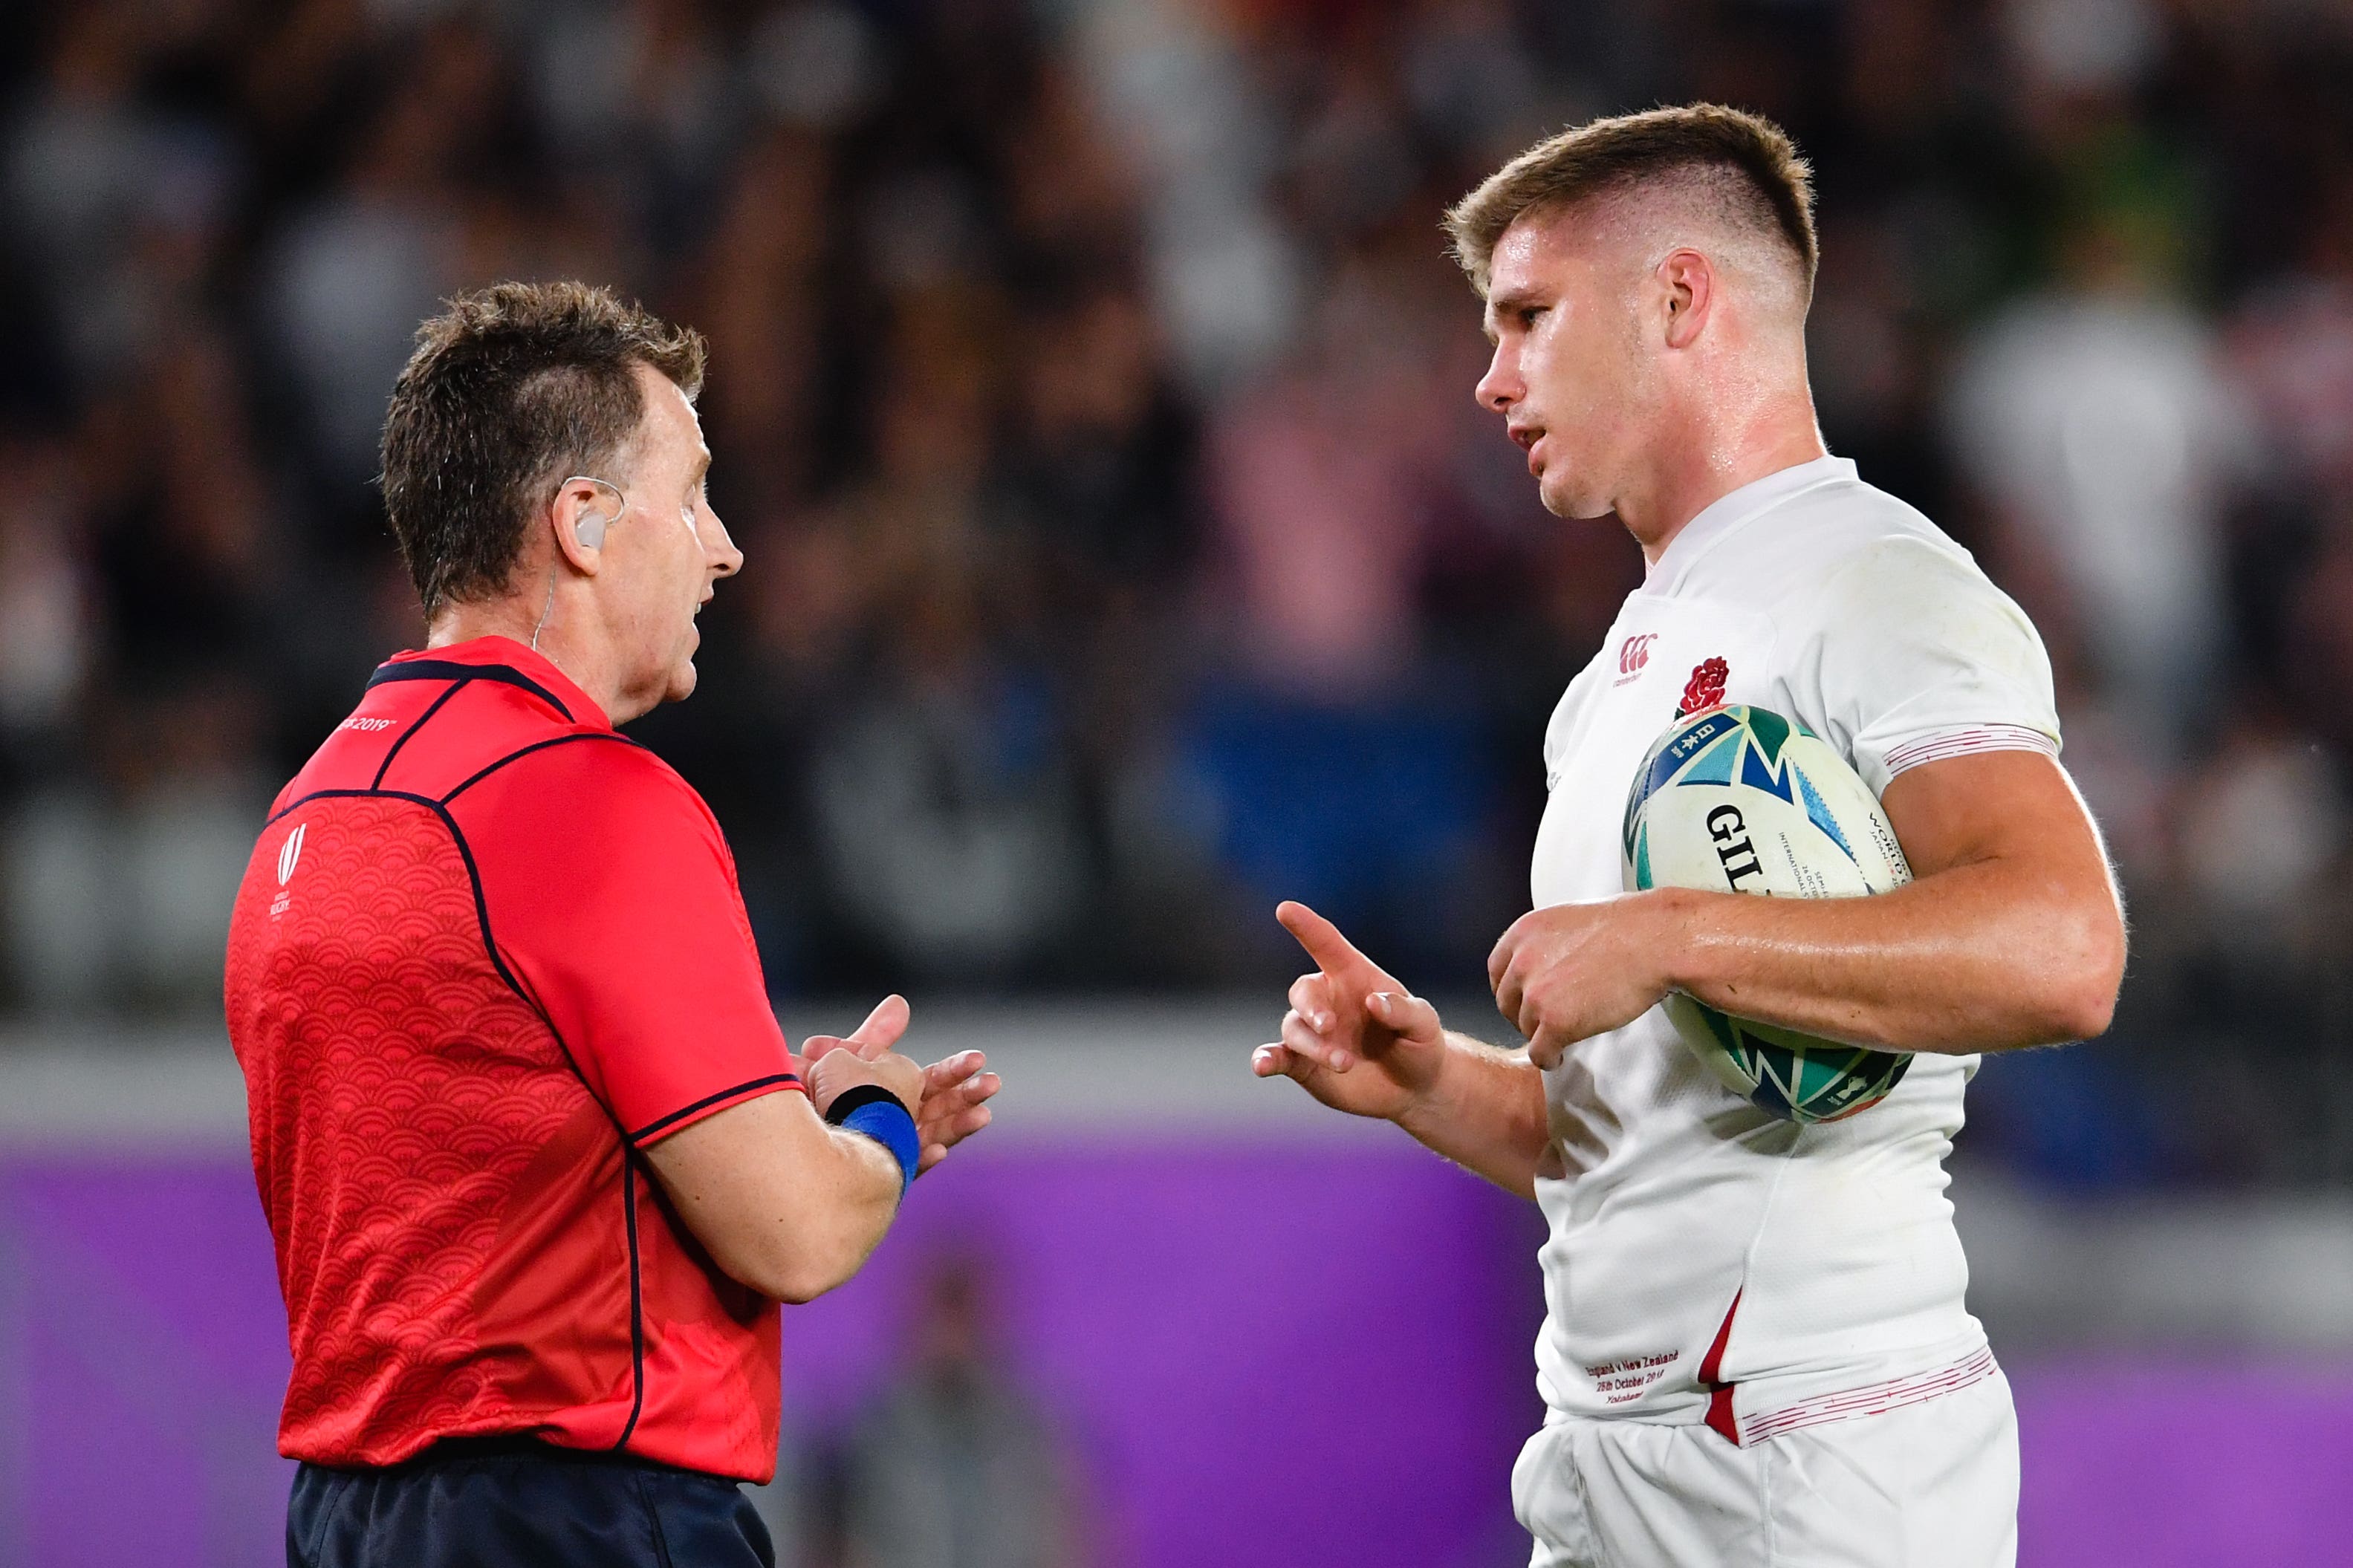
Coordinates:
(874, 1112)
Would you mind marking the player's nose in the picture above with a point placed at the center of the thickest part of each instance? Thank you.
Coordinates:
(1500, 387)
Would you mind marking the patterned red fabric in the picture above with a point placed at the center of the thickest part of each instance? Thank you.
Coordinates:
(463, 1000)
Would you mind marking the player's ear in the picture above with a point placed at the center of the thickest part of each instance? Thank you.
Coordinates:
(1687, 279)
(583, 511)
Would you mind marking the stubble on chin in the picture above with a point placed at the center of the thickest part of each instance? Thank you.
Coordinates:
(1571, 503)
(1560, 499)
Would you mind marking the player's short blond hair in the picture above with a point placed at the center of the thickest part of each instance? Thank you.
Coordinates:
(1744, 163)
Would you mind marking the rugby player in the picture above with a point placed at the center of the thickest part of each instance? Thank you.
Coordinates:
(536, 1158)
(1754, 1348)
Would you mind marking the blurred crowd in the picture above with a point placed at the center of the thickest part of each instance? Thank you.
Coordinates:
(1090, 396)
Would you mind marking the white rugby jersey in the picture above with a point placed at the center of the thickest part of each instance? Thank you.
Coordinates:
(1813, 594)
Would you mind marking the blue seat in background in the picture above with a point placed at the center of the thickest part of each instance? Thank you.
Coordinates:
(1370, 812)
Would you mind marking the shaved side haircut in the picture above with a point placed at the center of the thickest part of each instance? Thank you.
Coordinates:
(1740, 166)
(511, 389)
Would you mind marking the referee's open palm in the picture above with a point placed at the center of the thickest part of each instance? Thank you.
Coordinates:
(1355, 1038)
(955, 1090)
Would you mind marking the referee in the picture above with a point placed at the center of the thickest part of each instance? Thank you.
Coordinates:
(537, 1161)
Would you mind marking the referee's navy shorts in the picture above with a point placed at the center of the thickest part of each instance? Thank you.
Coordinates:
(503, 1504)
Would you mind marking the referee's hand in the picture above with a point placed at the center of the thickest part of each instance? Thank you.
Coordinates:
(838, 1070)
(956, 1089)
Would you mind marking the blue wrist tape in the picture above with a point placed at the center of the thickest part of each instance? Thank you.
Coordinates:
(877, 1113)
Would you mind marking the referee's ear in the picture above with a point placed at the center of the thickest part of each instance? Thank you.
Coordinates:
(581, 513)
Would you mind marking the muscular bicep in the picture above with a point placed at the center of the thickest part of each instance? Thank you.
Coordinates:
(2017, 806)
(2007, 935)
(2012, 827)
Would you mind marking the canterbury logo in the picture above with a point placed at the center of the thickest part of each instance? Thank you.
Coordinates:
(1635, 652)
(291, 852)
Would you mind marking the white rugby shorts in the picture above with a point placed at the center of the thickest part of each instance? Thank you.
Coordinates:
(1928, 1485)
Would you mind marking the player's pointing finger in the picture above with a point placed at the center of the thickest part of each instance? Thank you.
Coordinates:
(1332, 951)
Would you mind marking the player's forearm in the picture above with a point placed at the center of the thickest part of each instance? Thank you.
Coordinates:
(1485, 1111)
(1982, 957)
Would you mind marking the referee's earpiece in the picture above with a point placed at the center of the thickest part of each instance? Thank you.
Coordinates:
(590, 526)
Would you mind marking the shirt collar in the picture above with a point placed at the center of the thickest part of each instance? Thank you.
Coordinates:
(497, 652)
(1727, 512)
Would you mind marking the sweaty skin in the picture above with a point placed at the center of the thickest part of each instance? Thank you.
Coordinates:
(1650, 365)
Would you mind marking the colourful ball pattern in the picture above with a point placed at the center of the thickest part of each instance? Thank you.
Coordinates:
(1789, 1074)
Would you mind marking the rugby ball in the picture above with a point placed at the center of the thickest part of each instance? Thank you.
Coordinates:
(1742, 800)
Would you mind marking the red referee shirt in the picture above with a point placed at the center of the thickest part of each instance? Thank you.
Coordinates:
(485, 952)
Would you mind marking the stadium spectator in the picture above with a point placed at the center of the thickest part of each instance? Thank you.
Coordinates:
(954, 1467)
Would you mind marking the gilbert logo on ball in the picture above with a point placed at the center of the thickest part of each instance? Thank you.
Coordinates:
(1742, 800)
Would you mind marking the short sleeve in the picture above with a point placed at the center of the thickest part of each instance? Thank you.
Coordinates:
(611, 894)
(1917, 657)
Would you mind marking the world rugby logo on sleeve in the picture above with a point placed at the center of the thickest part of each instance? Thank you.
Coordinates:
(288, 854)
(1742, 800)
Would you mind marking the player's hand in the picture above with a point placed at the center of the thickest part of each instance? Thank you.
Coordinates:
(1354, 1038)
(1568, 972)
(955, 1088)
